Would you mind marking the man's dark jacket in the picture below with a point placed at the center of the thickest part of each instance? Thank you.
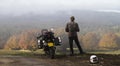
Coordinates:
(76, 29)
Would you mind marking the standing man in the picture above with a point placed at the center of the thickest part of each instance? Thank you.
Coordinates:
(72, 28)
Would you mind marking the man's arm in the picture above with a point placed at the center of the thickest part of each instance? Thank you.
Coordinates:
(66, 28)
(77, 27)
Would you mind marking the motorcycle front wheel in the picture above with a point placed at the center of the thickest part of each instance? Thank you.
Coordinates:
(52, 52)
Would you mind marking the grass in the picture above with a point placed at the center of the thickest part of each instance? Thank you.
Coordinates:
(39, 52)
(115, 52)
(20, 52)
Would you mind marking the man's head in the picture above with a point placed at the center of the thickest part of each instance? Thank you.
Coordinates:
(72, 18)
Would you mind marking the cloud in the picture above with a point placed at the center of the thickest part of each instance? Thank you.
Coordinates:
(48, 6)
(114, 11)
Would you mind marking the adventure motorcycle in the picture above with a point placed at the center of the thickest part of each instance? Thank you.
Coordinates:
(48, 42)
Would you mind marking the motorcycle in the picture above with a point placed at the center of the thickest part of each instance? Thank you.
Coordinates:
(48, 43)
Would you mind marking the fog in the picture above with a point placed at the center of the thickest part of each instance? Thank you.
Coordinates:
(20, 7)
(17, 16)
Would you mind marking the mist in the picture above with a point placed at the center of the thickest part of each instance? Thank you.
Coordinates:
(99, 16)
(21, 7)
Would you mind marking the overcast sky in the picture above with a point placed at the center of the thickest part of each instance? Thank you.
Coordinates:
(51, 6)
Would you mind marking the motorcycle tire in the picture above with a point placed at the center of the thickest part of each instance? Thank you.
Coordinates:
(52, 52)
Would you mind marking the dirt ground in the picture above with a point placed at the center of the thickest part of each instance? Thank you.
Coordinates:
(60, 60)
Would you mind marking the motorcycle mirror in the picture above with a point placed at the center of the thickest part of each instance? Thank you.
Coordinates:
(51, 29)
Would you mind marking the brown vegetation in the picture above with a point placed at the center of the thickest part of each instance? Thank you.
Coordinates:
(89, 41)
(25, 40)
(109, 41)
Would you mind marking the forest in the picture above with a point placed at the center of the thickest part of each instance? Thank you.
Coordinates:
(98, 31)
(99, 39)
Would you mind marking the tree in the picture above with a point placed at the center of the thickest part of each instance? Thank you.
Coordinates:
(90, 41)
(24, 40)
(109, 41)
(32, 45)
(27, 39)
(12, 43)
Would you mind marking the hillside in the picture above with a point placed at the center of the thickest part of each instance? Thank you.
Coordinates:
(89, 21)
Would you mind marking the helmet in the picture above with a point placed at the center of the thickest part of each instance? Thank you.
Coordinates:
(93, 59)
(44, 31)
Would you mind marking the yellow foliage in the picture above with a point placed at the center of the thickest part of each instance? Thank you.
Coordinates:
(109, 40)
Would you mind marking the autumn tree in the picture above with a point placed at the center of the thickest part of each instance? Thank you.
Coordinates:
(24, 40)
(12, 43)
(90, 41)
(32, 45)
(109, 41)
(27, 39)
